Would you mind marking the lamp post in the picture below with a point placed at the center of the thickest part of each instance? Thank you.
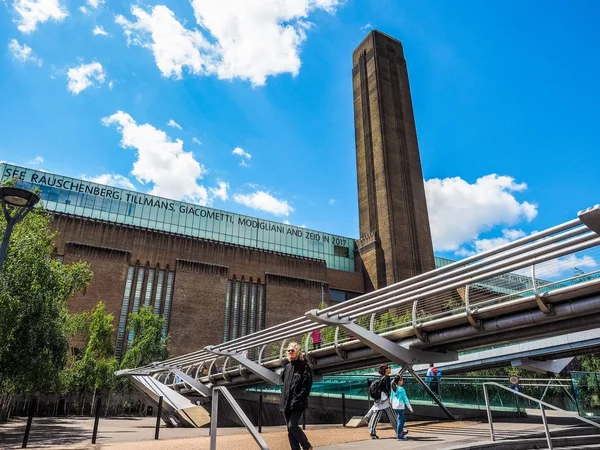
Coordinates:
(16, 203)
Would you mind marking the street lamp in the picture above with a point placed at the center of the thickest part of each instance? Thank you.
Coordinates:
(16, 203)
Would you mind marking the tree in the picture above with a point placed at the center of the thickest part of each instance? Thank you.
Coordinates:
(93, 369)
(34, 288)
(589, 363)
(149, 343)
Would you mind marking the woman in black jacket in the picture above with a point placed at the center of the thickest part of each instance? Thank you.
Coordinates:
(297, 382)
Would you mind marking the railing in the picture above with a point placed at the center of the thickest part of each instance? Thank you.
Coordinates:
(214, 414)
(538, 271)
(535, 400)
(586, 387)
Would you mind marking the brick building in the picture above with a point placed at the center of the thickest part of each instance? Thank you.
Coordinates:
(216, 275)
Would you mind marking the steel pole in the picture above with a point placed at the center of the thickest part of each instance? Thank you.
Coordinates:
(546, 429)
(96, 419)
(4, 247)
(260, 410)
(158, 414)
(489, 411)
(214, 413)
(343, 409)
(32, 405)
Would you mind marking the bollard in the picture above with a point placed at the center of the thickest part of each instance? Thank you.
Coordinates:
(158, 414)
(96, 419)
(304, 420)
(343, 409)
(29, 420)
(260, 409)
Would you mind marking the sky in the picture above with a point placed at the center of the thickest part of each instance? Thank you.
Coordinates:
(246, 105)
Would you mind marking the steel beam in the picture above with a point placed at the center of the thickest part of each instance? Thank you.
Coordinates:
(266, 374)
(425, 386)
(195, 384)
(591, 218)
(391, 350)
(381, 345)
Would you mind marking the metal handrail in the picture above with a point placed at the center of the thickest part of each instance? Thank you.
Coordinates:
(438, 274)
(554, 242)
(214, 414)
(539, 402)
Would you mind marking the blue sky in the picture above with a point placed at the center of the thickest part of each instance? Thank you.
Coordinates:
(246, 105)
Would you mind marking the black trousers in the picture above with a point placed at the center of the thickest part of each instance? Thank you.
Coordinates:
(296, 436)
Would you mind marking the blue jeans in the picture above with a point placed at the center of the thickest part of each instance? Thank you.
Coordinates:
(400, 425)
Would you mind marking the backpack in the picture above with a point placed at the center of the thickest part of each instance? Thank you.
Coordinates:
(375, 390)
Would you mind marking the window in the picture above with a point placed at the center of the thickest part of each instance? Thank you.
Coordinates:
(244, 308)
(341, 296)
(338, 250)
(139, 288)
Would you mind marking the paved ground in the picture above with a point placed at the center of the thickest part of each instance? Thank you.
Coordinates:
(138, 433)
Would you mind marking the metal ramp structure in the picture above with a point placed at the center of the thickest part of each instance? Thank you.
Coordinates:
(531, 288)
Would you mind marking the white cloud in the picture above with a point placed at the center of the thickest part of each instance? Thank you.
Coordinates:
(240, 152)
(483, 245)
(83, 9)
(244, 163)
(174, 47)
(95, 3)
(563, 267)
(366, 27)
(84, 76)
(331, 201)
(245, 39)
(99, 31)
(111, 180)
(195, 140)
(265, 202)
(33, 12)
(161, 161)
(220, 192)
(35, 161)
(459, 212)
(173, 124)
(23, 53)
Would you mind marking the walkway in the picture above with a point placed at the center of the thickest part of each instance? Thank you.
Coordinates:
(136, 433)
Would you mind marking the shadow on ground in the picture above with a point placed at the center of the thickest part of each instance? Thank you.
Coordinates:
(50, 432)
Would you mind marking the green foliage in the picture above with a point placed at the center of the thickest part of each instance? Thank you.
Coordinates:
(589, 363)
(34, 288)
(390, 319)
(148, 343)
(94, 369)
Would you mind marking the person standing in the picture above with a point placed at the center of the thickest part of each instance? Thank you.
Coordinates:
(381, 405)
(399, 401)
(297, 383)
(316, 338)
(432, 379)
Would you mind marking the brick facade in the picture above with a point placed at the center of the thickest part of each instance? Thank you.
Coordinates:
(395, 239)
(201, 270)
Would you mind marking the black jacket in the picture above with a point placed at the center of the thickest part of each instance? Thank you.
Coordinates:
(386, 385)
(297, 382)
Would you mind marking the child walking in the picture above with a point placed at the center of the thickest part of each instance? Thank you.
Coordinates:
(399, 402)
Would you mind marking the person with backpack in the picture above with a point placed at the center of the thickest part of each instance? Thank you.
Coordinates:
(380, 391)
(297, 383)
(400, 401)
(432, 377)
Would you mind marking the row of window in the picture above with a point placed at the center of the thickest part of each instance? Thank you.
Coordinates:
(227, 228)
(153, 287)
(245, 308)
